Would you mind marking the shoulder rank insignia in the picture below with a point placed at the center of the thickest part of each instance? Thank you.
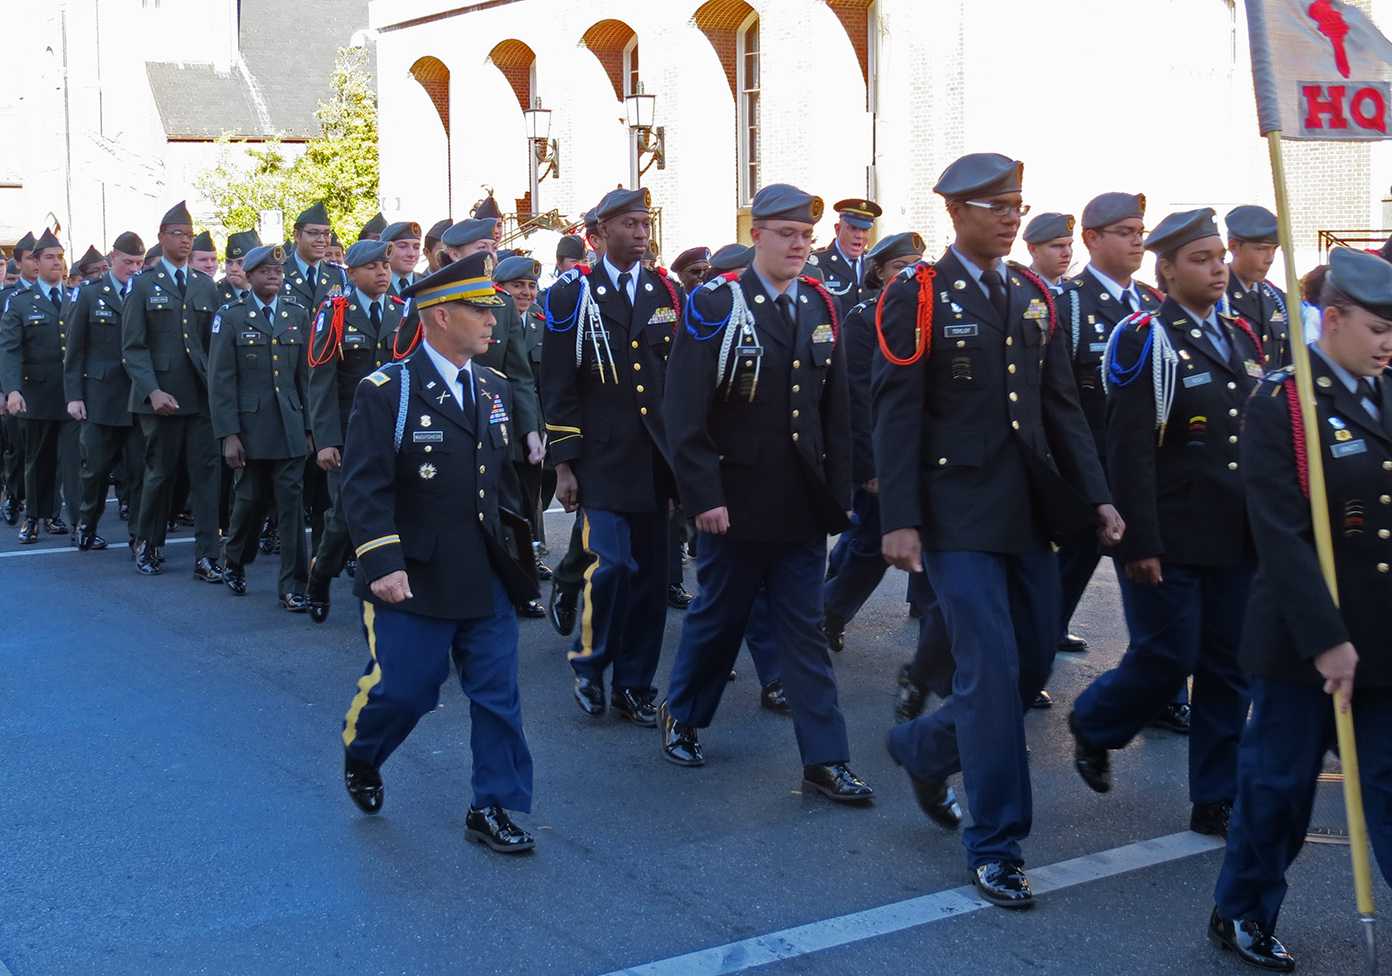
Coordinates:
(378, 378)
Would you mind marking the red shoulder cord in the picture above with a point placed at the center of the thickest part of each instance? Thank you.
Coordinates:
(1043, 286)
(1302, 458)
(1155, 293)
(397, 352)
(1242, 324)
(820, 289)
(334, 343)
(923, 319)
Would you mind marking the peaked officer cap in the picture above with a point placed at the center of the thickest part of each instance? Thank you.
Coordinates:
(731, 257)
(46, 241)
(691, 256)
(241, 243)
(783, 201)
(178, 216)
(372, 230)
(468, 231)
(314, 215)
(258, 256)
(25, 245)
(517, 268)
(1363, 277)
(204, 242)
(896, 246)
(1252, 223)
(467, 280)
(1048, 227)
(437, 229)
(1112, 208)
(402, 229)
(570, 246)
(1179, 229)
(129, 243)
(980, 174)
(365, 252)
(622, 201)
(857, 212)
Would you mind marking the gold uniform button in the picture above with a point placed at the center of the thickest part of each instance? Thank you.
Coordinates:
(942, 460)
(480, 492)
(1010, 369)
(1387, 465)
(428, 449)
(640, 387)
(1010, 340)
(1384, 534)
(1232, 385)
(1232, 438)
(643, 411)
(1232, 412)
(1383, 567)
(483, 469)
(1232, 465)
(796, 388)
(1014, 396)
(1015, 424)
(795, 436)
(797, 364)
(961, 343)
(637, 367)
(480, 516)
(634, 343)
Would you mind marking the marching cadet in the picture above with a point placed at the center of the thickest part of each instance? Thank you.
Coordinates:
(92, 266)
(258, 379)
(691, 267)
(983, 455)
(372, 230)
(152, 257)
(26, 273)
(308, 280)
(232, 287)
(334, 252)
(354, 335)
(1252, 243)
(12, 271)
(856, 566)
(168, 311)
(32, 343)
(570, 251)
(604, 362)
(405, 239)
(427, 447)
(1049, 240)
(1178, 380)
(1092, 304)
(842, 263)
(204, 257)
(1296, 640)
(434, 247)
(759, 426)
(97, 389)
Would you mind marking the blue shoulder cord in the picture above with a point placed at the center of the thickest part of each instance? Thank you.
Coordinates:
(1124, 376)
(401, 407)
(694, 318)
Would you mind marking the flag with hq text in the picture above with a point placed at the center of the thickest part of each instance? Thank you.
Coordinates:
(1321, 70)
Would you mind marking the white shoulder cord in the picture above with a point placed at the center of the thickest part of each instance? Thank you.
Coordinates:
(1164, 367)
(740, 325)
(591, 321)
(1075, 320)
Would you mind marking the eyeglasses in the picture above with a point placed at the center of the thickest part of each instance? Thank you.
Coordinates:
(317, 235)
(179, 235)
(1000, 209)
(1125, 233)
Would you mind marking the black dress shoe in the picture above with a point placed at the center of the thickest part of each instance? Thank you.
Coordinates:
(29, 532)
(733, 675)
(146, 560)
(1091, 762)
(561, 610)
(1042, 700)
(1073, 644)
(1251, 943)
(1174, 717)
(532, 609)
(637, 705)
(834, 628)
(56, 526)
(938, 801)
(909, 702)
(678, 598)
(1211, 819)
(1003, 884)
(184, 519)
(543, 571)
(207, 570)
(317, 596)
(235, 578)
(836, 782)
(124, 512)
(88, 540)
(268, 543)
(364, 784)
(492, 828)
(294, 602)
(589, 695)
(680, 743)
(774, 698)
(9, 510)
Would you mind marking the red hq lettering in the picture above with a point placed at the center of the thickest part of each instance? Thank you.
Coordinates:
(1357, 110)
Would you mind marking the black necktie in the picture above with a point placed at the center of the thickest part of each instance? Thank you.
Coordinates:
(310, 275)
(269, 314)
(401, 285)
(995, 288)
(785, 305)
(179, 280)
(1128, 300)
(467, 389)
(624, 279)
(124, 288)
(375, 314)
(53, 297)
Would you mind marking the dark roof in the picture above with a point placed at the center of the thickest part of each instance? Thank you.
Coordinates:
(285, 71)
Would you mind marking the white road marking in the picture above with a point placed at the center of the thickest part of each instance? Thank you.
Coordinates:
(71, 548)
(736, 957)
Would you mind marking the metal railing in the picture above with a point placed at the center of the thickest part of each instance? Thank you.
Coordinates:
(1362, 239)
(513, 230)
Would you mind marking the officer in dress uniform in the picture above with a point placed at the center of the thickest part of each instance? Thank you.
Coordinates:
(405, 239)
(168, 311)
(232, 286)
(759, 419)
(97, 388)
(258, 380)
(604, 360)
(1172, 456)
(26, 273)
(372, 230)
(1296, 642)
(1049, 239)
(427, 447)
(1252, 242)
(842, 263)
(309, 280)
(353, 335)
(983, 455)
(32, 343)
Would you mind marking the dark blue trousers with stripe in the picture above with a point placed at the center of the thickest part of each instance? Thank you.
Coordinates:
(410, 660)
(623, 605)
(732, 574)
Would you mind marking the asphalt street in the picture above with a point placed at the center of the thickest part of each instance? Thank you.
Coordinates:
(173, 803)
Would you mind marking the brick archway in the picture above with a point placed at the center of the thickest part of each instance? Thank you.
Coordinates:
(434, 76)
(720, 21)
(515, 60)
(607, 41)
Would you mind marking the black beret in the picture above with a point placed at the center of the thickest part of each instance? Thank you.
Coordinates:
(241, 243)
(1112, 208)
(1048, 227)
(177, 216)
(316, 214)
(731, 257)
(783, 201)
(1363, 277)
(570, 246)
(1179, 229)
(690, 256)
(129, 243)
(204, 242)
(980, 174)
(1252, 223)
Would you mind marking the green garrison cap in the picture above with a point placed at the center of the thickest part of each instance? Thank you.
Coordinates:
(129, 243)
(313, 215)
(177, 216)
(372, 230)
(204, 242)
(239, 245)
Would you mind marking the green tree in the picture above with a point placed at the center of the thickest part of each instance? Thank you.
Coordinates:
(339, 166)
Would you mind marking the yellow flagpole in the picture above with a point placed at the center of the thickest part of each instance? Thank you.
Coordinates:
(1324, 545)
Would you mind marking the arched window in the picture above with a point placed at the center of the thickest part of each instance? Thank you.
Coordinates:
(747, 81)
(630, 66)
